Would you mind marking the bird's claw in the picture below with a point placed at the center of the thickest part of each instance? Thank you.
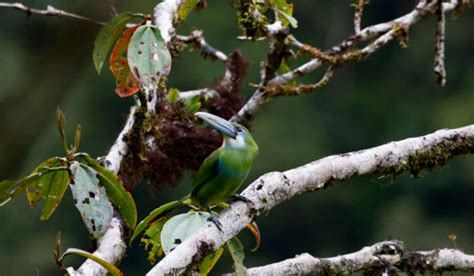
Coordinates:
(235, 198)
(216, 222)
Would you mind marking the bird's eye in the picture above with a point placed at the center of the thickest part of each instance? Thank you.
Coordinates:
(238, 129)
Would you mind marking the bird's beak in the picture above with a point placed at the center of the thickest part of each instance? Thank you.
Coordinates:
(218, 123)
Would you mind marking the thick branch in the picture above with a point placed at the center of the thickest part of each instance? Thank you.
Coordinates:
(164, 13)
(413, 154)
(49, 11)
(110, 247)
(113, 160)
(381, 257)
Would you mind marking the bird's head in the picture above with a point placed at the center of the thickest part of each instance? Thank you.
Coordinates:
(235, 135)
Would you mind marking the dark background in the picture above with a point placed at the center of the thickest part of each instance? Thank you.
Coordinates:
(46, 62)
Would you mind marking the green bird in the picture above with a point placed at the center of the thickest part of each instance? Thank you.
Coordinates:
(220, 175)
(224, 170)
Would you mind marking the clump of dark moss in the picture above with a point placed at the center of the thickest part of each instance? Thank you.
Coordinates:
(165, 145)
(434, 158)
(168, 144)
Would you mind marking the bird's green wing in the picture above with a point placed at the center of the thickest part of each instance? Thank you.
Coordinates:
(207, 172)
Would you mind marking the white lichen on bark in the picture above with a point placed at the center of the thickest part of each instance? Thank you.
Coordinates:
(381, 257)
(275, 187)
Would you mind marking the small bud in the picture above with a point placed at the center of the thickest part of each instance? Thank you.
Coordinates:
(60, 121)
(77, 137)
(452, 237)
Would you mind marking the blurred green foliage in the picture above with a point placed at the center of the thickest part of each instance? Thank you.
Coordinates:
(46, 63)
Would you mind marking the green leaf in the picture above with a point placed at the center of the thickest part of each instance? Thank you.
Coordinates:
(38, 190)
(178, 228)
(236, 250)
(58, 186)
(163, 209)
(173, 95)
(192, 105)
(90, 199)
(119, 196)
(210, 261)
(286, 18)
(50, 187)
(10, 188)
(152, 240)
(107, 37)
(113, 270)
(148, 56)
(186, 8)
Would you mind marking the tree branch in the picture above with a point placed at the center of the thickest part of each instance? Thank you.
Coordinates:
(359, 10)
(164, 13)
(49, 11)
(381, 33)
(439, 68)
(197, 38)
(111, 247)
(204, 92)
(413, 154)
(382, 257)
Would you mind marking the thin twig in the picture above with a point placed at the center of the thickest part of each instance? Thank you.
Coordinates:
(439, 68)
(380, 34)
(49, 11)
(203, 92)
(295, 90)
(359, 9)
(197, 38)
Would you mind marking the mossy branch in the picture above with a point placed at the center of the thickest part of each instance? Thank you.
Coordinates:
(413, 154)
(383, 258)
(348, 51)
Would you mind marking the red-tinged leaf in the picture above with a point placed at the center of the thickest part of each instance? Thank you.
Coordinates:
(253, 227)
(126, 84)
(58, 187)
(107, 36)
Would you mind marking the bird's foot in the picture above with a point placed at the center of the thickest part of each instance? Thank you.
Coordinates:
(216, 222)
(236, 197)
